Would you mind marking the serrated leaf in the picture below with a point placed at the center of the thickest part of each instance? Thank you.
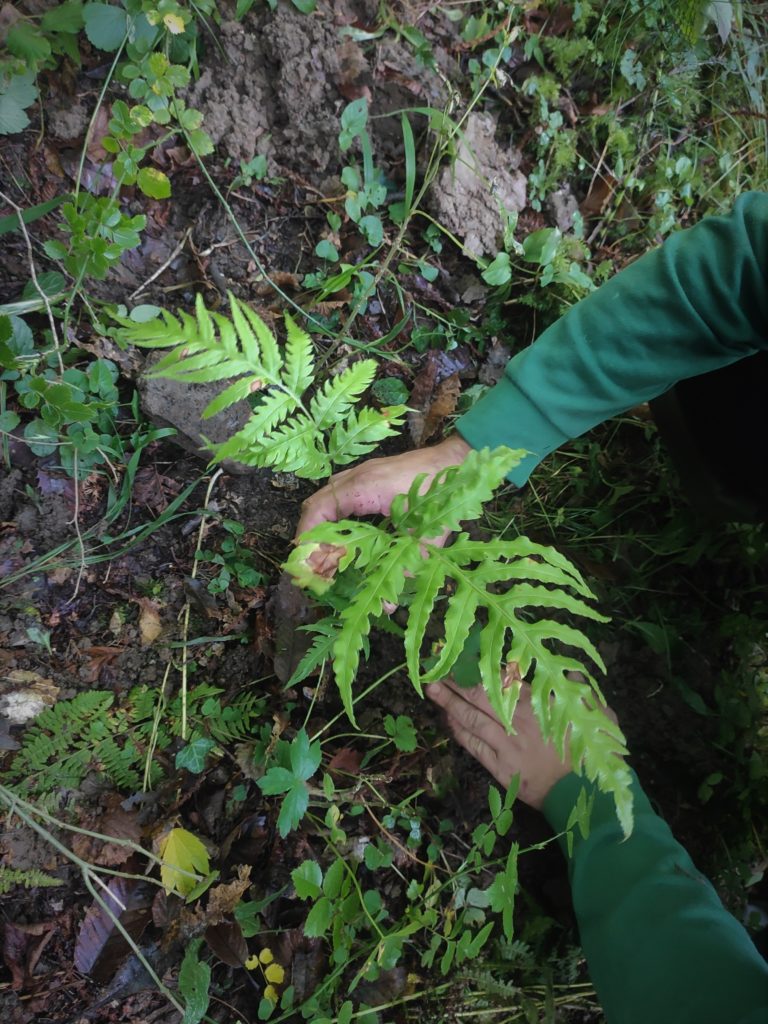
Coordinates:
(105, 25)
(293, 808)
(153, 183)
(319, 919)
(305, 756)
(194, 984)
(25, 40)
(308, 880)
(184, 856)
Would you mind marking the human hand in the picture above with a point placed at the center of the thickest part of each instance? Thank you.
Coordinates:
(525, 752)
(368, 489)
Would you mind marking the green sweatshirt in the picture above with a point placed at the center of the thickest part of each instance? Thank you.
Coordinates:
(696, 304)
(661, 947)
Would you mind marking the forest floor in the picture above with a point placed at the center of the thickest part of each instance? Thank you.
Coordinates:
(118, 582)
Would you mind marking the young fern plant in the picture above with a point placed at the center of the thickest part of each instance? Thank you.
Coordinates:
(499, 583)
(289, 429)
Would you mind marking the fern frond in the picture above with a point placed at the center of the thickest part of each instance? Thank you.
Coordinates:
(30, 879)
(506, 582)
(289, 429)
(362, 431)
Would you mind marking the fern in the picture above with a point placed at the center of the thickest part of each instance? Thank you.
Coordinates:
(287, 429)
(503, 582)
(30, 879)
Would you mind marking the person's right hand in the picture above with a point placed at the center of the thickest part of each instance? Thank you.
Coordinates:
(369, 488)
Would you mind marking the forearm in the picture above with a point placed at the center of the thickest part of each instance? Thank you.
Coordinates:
(660, 945)
(698, 303)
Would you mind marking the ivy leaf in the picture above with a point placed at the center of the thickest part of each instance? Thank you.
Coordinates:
(326, 250)
(192, 757)
(194, 984)
(105, 25)
(183, 856)
(153, 183)
(372, 228)
(305, 6)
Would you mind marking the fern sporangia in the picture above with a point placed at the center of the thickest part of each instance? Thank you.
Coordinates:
(501, 582)
(288, 430)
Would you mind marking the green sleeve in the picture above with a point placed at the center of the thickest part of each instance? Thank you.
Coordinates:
(661, 947)
(696, 304)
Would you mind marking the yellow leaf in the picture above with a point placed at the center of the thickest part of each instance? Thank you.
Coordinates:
(266, 956)
(275, 974)
(184, 856)
(271, 993)
(174, 24)
(251, 963)
(150, 626)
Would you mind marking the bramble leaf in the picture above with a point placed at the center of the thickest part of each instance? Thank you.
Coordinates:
(184, 856)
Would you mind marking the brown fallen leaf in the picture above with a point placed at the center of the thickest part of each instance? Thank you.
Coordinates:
(115, 822)
(345, 761)
(425, 424)
(100, 946)
(150, 626)
(227, 943)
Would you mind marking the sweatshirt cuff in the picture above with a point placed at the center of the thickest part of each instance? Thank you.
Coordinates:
(561, 800)
(504, 416)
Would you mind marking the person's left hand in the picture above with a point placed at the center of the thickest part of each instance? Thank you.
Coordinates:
(525, 752)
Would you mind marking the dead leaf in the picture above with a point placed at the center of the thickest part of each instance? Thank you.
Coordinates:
(100, 947)
(200, 598)
(99, 657)
(150, 626)
(223, 898)
(117, 823)
(345, 761)
(495, 363)
(227, 942)
(288, 608)
(20, 952)
(600, 194)
(425, 424)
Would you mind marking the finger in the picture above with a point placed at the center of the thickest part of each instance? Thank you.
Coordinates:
(475, 696)
(322, 507)
(473, 720)
(475, 745)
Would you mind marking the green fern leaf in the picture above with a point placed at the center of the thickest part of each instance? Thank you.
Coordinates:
(289, 429)
(337, 396)
(362, 431)
(30, 879)
(508, 583)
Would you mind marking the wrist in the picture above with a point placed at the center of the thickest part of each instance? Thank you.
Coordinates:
(453, 450)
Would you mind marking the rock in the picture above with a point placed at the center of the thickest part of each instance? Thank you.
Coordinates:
(562, 206)
(67, 121)
(467, 196)
(180, 405)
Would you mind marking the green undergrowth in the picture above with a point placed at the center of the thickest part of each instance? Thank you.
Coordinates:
(649, 115)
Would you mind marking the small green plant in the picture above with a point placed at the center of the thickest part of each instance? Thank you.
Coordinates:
(287, 429)
(502, 581)
(234, 559)
(30, 878)
(297, 763)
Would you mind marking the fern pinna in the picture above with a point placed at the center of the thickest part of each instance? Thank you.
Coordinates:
(287, 430)
(499, 581)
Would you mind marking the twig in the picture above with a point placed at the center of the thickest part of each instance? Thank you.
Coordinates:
(76, 523)
(54, 333)
(164, 266)
(187, 607)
